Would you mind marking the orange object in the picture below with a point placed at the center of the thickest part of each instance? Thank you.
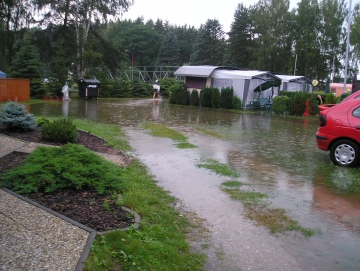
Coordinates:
(306, 113)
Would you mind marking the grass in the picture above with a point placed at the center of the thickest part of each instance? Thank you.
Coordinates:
(157, 129)
(218, 168)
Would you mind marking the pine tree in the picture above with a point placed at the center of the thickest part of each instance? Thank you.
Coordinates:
(169, 51)
(27, 65)
(209, 47)
(240, 38)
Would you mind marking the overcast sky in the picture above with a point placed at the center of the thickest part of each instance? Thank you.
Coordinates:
(190, 12)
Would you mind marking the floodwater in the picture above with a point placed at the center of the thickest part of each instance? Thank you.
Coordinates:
(275, 155)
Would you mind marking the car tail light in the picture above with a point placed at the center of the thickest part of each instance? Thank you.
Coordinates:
(322, 121)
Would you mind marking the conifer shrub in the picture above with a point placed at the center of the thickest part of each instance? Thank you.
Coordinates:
(215, 98)
(194, 98)
(60, 130)
(236, 103)
(226, 98)
(314, 105)
(71, 166)
(205, 97)
(297, 103)
(280, 104)
(179, 94)
(13, 116)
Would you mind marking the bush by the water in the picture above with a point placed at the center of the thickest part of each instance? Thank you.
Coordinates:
(69, 167)
(236, 102)
(179, 94)
(194, 97)
(226, 98)
(280, 104)
(13, 116)
(206, 96)
(61, 131)
(215, 98)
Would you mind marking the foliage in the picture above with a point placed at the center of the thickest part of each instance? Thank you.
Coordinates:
(236, 102)
(209, 46)
(297, 103)
(314, 105)
(71, 166)
(179, 94)
(13, 116)
(215, 98)
(355, 31)
(205, 97)
(157, 129)
(60, 130)
(169, 51)
(241, 37)
(330, 98)
(218, 168)
(280, 104)
(165, 85)
(194, 97)
(226, 98)
(27, 65)
(140, 89)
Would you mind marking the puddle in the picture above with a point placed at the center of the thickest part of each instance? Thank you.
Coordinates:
(273, 155)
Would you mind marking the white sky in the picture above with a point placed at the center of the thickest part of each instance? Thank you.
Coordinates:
(190, 12)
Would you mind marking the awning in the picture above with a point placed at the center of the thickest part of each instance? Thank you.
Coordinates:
(268, 84)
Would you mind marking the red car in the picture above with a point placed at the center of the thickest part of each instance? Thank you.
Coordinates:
(339, 131)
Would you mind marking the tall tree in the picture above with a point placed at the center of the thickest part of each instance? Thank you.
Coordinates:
(27, 65)
(82, 14)
(209, 46)
(169, 51)
(241, 38)
(307, 47)
(332, 35)
(273, 35)
(186, 37)
(355, 32)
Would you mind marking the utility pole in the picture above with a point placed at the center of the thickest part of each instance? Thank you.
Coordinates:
(295, 64)
(347, 46)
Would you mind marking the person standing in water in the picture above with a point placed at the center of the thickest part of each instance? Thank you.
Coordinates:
(156, 89)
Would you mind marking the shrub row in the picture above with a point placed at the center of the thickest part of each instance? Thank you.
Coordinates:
(209, 97)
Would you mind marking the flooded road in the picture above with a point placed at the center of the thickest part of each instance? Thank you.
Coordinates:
(276, 156)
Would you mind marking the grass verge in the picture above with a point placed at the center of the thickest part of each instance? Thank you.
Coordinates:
(157, 129)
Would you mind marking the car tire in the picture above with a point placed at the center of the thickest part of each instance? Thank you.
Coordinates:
(345, 153)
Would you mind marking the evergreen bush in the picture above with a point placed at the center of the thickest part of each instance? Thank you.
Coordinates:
(236, 103)
(194, 98)
(280, 104)
(71, 166)
(205, 97)
(61, 131)
(13, 116)
(297, 103)
(226, 98)
(179, 94)
(314, 105)
(215, 98)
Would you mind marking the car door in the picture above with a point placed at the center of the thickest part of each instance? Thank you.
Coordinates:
(354, 120)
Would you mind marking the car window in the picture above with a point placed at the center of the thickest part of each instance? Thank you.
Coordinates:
(356, 112)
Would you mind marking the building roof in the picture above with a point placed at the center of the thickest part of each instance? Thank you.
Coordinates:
(291, 78)
(199, 71)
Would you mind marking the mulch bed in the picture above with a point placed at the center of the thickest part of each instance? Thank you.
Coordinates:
(98, 212)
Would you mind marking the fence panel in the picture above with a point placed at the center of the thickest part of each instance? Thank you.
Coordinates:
(14, 89)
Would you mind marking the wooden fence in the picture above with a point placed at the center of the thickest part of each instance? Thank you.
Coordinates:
(14, 89)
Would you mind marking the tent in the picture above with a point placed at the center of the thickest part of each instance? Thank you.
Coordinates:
(2, 74)
(295, 83)
(244, 82)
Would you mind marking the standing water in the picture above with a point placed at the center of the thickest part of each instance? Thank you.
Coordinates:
(273, 155)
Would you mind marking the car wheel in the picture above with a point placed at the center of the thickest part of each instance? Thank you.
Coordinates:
(345, 153)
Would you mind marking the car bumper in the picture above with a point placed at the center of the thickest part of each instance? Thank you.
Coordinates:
(323, 141)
